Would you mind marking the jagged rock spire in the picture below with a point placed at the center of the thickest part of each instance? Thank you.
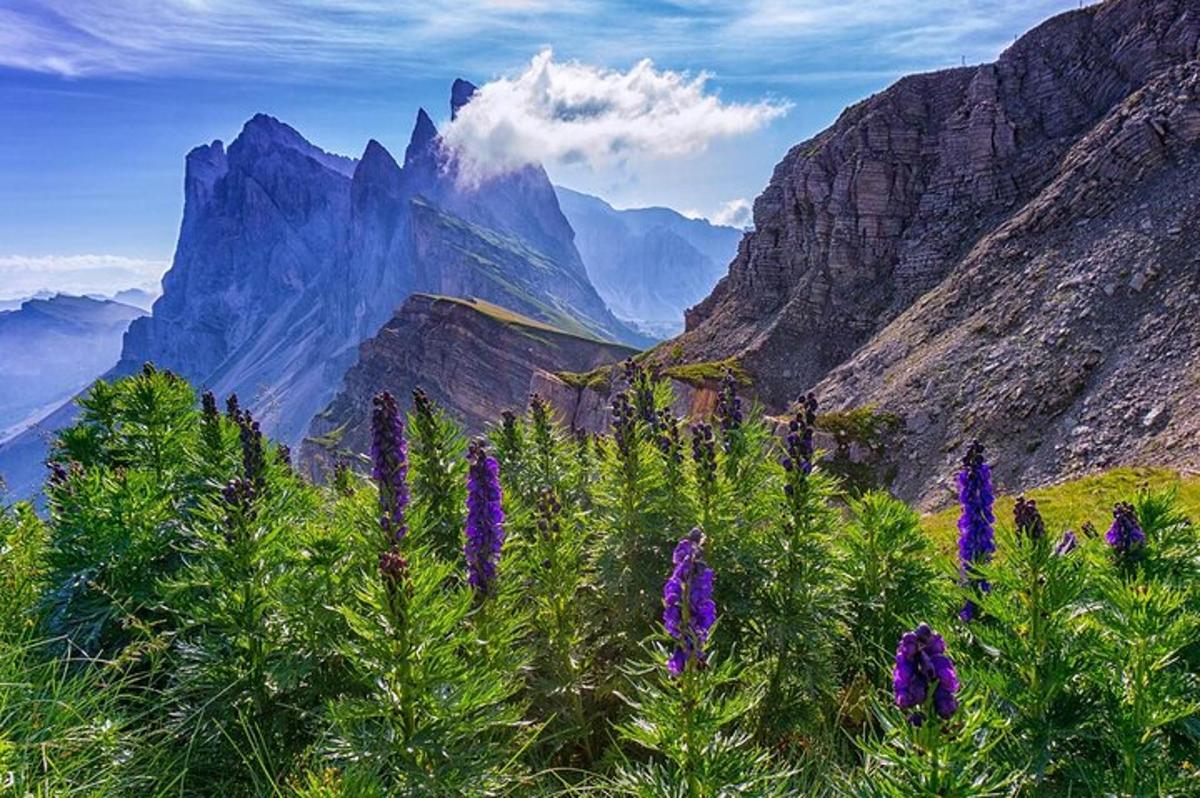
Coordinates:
(421, 144)
(460, 94)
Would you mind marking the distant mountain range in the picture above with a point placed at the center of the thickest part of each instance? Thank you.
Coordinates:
(50, 348)
(289, 256)
(649, 264)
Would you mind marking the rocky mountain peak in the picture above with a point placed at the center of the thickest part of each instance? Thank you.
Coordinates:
(376, 168)
(204, 166)
(263, 134)
(461, 93)
(422, 145)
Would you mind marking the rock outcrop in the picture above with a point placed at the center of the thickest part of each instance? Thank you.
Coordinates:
(1068, 339)
(649, 264)
(1005, 252)
(869, 215)
(474, 358)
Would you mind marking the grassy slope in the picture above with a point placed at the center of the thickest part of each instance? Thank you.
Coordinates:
(1068, 504)
(515, 319)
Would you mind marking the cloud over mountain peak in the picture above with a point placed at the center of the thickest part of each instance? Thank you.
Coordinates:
(575, 113)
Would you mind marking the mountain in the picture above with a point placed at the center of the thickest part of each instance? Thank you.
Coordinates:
(289, 256)
(649, 264)
(136, 297)
(474, 358)
(15, 304)
(1003, 251)
(51, 348)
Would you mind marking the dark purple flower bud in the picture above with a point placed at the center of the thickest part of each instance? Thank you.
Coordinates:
(239, 494)
(704, 455)
(284, 454)
(485, 518)
(208, 406)
(422, 404)
(210, 424)
(58, 474)
(1067, 545)
(798, 442)
(254, 461)
(729, 406)
(539, 411)
(1028, 520)
(1125, 536)
(393, 568)
(976, 540)
(389, 465)
(924, 672)
(1089, 530)
(624, 424)
(688, 608)
(232, 410)
(669, 440)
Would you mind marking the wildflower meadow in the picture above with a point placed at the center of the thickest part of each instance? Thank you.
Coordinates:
(678, 607)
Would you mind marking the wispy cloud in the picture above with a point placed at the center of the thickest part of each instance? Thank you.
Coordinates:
(575, 113)
(23, 275)
(75, 38)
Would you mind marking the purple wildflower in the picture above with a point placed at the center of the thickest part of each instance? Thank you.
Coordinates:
(389, 458)
(239, 494)
(485, 518)
(210, 424)
(688, 608)
(1125, 535)
(1028, 520)
(921, 664)
(232, 409)
(704, 454)
(976, 541)
(1067, 545)
(624, 423)
(798, 443)
(729, 405)
(254, 463)
(669, 441)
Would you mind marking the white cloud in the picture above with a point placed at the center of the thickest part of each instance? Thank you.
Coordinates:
(575, 113)
(23, 275)
(735, 213)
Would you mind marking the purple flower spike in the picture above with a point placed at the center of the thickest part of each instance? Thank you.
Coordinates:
(688, 608)
(923, 671)
(1125, 535)
(976, 537)
(389, 458)
(485, 518)
(1067, 545)
(1028, 520)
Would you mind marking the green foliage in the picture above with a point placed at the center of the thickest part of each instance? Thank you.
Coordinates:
(192, 618)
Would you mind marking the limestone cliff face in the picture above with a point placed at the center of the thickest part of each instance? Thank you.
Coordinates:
(869, 215)
(1069, 338)
(475, 359)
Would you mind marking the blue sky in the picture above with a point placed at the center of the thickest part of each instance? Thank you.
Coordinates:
(99, 101)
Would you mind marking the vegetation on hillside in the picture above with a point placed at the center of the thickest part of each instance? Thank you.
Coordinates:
(665, 610)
